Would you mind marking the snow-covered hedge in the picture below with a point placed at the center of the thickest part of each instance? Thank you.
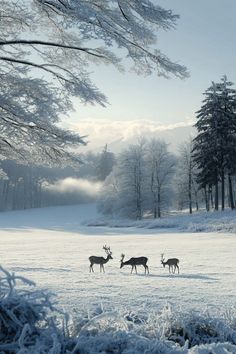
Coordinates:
(29, 324)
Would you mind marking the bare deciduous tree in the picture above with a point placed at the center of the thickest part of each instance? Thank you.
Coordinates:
(161, 167)
(188, 189)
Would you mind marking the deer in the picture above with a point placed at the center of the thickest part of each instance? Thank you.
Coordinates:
(100, 260)
(171, 262)
(134, 262)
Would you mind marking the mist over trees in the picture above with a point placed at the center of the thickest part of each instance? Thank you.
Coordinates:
(35, 186)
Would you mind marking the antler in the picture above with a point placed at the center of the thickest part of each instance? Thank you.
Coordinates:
(122, 257)
(107, 249)
(162, 256)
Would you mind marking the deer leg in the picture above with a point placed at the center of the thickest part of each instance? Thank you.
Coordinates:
(147, 269)
(135, 269)
(169, 269)
(132, 269)
(103, 268)
(91, 268)
(177, 268)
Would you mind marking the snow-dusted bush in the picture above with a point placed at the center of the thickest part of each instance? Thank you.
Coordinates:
(169, 331)
(196, 328)
(29, 324)
(27, 319)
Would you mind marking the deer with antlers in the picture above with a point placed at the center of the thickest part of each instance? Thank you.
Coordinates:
(171, 262)
(134, 262)
(100, 260)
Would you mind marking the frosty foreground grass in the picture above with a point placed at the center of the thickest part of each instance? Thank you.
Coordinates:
(30, 324)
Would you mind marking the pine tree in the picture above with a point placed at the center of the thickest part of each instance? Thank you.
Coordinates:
(215, 145)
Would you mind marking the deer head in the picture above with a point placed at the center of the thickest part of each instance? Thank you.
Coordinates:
(108, 251)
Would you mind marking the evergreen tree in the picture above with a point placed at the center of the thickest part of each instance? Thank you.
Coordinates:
(215, 145)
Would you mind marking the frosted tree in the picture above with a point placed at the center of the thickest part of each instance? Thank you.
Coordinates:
(214, 147)
(124, 189)
(131, 166)
(160, 169)
(109, 203)
(45, 51)
(186, 173)
(228, 112)
(140, 182)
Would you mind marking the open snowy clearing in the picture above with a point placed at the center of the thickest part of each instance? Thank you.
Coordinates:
(51, 247)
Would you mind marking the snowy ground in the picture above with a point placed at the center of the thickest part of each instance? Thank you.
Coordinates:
(51, 246)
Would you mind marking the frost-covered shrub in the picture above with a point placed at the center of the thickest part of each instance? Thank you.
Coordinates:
(27, 319)
(196, 329)
(29, 324)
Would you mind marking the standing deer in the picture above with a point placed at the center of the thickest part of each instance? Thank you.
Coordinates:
(100, 260)
(134, 262)
(171, 262)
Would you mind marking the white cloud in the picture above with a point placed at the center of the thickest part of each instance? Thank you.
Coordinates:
(118, 133)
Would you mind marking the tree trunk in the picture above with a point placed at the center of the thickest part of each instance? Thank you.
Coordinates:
(216, 192)
(211, 196)
(5, 194)
(25, 191)
(197, 205)
(206, 198)
(231, 197)
(159, 203)
(155, 212)
(14, 195)
(190, 191)
(222, 188)
(196, 199)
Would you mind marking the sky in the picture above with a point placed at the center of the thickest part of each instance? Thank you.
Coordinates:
(204, 41)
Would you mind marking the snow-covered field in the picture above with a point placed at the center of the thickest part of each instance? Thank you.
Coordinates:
(51, 246)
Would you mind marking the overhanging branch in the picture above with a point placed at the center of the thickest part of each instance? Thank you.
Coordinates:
(89, 51)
